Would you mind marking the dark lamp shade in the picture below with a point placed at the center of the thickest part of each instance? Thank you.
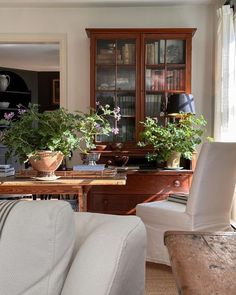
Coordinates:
(178, 103)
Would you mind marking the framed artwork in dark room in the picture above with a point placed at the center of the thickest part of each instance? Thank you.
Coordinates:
(55, 91)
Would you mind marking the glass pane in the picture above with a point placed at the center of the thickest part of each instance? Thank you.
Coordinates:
(106, 98)
(125, 78)
(106, 53)
(106, 78)
(153, 105)
(152, 52)
(126, 129)
(126, 52)
(126, 102)
(155, 79)
(175, 79)
(175, 51)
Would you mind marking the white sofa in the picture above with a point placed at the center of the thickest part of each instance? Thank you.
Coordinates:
(46, 248)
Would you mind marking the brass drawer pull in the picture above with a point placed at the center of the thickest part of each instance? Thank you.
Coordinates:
(177, 183)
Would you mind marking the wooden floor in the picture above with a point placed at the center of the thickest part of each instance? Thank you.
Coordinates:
(159, 280)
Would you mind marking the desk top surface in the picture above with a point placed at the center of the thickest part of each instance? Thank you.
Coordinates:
(203, 263)
(61, 185)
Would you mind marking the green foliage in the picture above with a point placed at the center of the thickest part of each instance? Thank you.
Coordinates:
(97, 122)
(30, 131)
(182, 136)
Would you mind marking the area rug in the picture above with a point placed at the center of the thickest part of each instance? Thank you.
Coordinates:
(159, 280)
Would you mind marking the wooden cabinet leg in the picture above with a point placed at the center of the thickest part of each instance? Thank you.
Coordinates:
(82, 198)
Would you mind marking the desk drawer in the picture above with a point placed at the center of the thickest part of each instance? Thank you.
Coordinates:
(140, 187)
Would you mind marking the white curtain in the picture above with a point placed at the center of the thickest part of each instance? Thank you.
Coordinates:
(225, 80)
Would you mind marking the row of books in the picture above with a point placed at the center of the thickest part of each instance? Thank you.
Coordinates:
(127, 131)
(128, 53)
(153, 105)
(125, 55)
(107, 55)
(6, 170)
(127, 105)
(178, 198)
(155, 52)
(152, 53)
(175, 79)
(155, 79)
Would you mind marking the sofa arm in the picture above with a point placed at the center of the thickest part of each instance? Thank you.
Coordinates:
(110, 259)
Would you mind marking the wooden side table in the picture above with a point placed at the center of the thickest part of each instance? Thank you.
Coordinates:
(203, 263)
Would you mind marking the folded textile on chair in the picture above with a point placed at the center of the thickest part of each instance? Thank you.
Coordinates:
(178, 198)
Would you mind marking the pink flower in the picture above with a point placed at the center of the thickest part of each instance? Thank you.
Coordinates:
(98, 127)
(8, 116)
(117, 117)
(21, 111)
(115, 130)
(117, 109)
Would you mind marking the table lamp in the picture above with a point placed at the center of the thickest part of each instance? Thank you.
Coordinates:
(180, 103)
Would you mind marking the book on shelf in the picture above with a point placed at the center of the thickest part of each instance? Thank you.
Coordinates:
(98, 167)
(175, 79)
(7, 173)
(153, 105)
(106, 51)
(128, 53)
(5, 166)
(7, 169)
(152, 53)
(155, 79)
(127, 105)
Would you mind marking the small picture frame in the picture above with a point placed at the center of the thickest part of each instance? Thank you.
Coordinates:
(56, 91)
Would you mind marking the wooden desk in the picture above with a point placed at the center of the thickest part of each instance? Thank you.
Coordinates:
(141, 186)
(203, 263)
(79, 186)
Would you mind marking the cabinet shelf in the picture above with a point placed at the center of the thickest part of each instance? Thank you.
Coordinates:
(16, 92)
(162, 66)
(115, 65)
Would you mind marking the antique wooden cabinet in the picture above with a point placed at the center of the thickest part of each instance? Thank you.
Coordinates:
(137, 69)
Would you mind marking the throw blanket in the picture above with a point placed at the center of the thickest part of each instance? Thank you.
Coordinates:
(5, 208)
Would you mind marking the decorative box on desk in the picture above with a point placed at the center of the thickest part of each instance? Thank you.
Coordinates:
(141, 186)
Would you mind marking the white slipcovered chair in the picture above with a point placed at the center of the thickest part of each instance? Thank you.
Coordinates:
(47, 249)
(208, 206)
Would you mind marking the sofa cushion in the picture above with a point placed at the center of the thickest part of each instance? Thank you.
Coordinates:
(36, 247)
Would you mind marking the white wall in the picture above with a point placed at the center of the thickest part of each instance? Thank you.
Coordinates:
(73, 21)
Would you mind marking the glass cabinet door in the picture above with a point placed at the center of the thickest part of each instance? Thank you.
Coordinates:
(165, 70)
(115, 79)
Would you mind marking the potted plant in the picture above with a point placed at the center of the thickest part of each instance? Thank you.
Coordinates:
(40, 137)
(174, 139)
(45, 138)
(99, 121)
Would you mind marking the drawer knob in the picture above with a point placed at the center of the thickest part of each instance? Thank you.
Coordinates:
(105, 202)
(177, 183)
